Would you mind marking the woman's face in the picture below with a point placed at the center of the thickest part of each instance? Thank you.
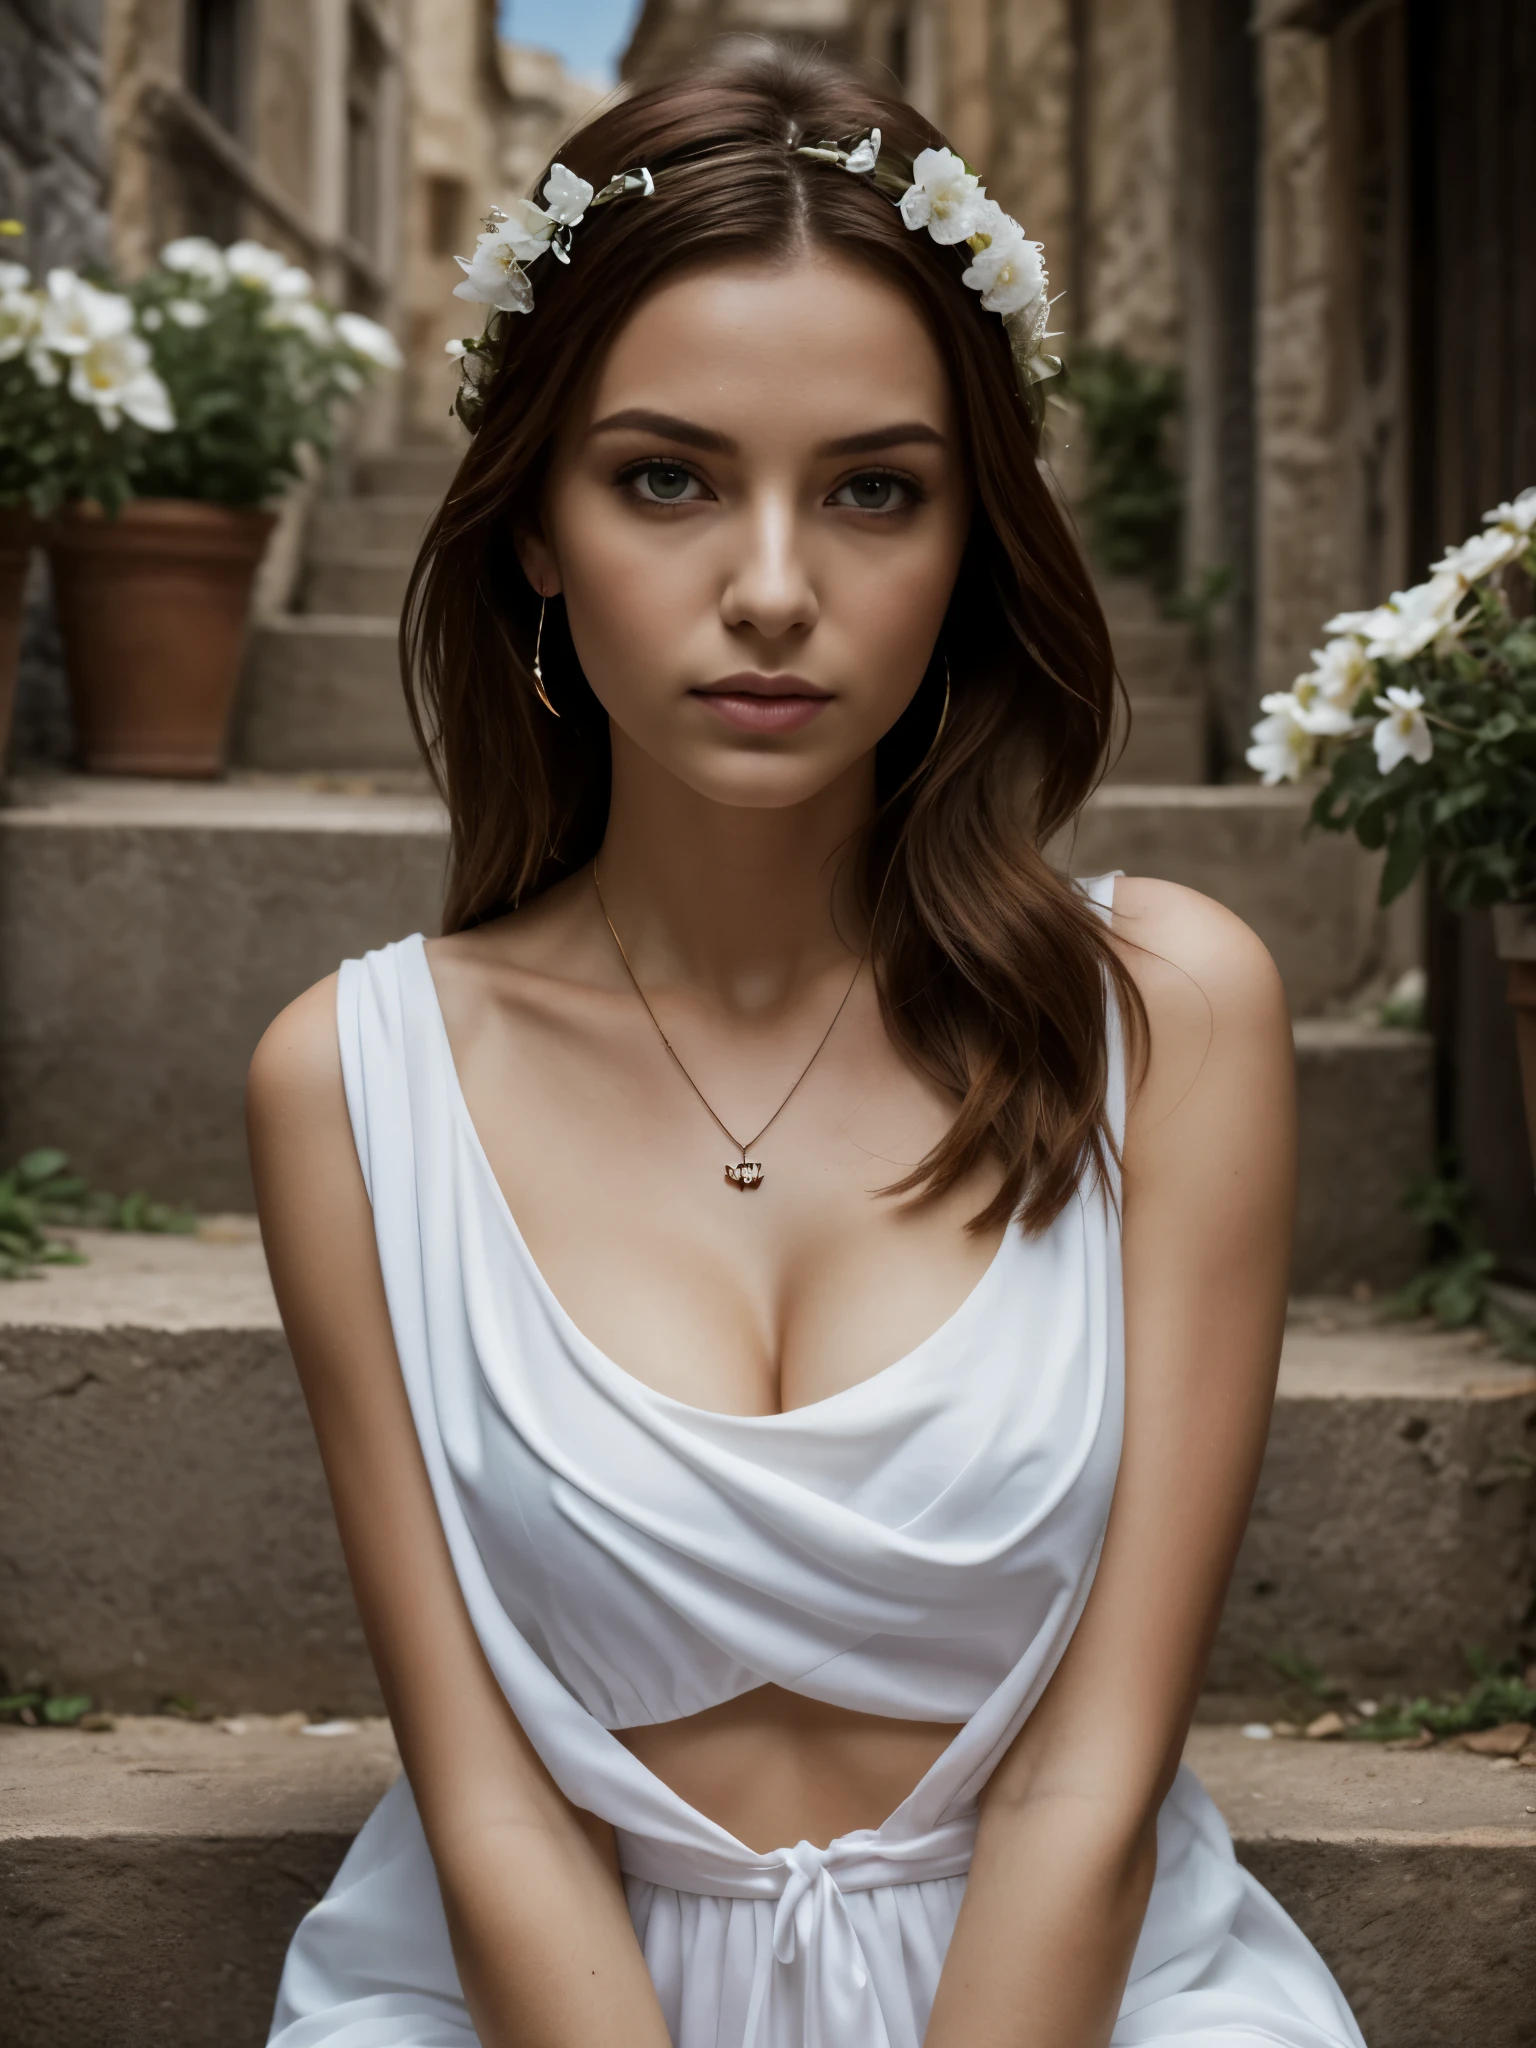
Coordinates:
(755, 522)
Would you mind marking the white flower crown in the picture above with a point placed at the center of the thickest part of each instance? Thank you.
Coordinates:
(945, 197)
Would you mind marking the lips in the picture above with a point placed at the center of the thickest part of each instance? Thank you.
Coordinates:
(753, 702)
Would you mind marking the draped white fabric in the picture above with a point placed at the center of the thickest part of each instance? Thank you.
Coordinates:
(919, 1545)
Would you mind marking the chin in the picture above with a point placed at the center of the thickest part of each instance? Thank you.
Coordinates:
(759, 779)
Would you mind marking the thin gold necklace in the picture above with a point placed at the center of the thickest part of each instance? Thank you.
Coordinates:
(745, 1172)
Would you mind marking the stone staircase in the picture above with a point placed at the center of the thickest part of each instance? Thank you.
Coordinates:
(164, 1530)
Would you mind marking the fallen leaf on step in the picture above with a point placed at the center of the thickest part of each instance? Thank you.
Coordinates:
(1325, 1727)
(1423, 1740)
(96, 1724)
(1506, 1740)
(1286, 1730)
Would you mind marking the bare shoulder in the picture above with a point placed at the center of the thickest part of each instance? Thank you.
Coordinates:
(1213, 995)
(1189, 954)
(295, 1073)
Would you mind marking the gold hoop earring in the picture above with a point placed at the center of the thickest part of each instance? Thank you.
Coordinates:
(538, 670)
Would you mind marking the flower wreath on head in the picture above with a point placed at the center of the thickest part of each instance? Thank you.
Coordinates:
(943, 195)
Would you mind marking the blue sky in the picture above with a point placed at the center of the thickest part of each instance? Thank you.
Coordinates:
(589, 34)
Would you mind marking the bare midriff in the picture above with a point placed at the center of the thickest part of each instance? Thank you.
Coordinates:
(773, 1768)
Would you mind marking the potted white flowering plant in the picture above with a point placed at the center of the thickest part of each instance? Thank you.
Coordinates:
(79, 402)
(1421, 716)
(154, 594)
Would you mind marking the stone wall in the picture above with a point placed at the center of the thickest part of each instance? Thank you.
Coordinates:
(1298, 567)
(53, 180)
(1129, 293)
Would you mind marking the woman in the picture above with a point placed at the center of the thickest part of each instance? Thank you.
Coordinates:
(788, 1572)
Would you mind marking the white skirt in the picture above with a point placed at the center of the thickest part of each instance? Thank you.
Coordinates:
(1219, 1963)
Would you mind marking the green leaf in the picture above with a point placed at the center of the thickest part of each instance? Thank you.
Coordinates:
(64, 1713)
(1404, 858)
(41, 1165)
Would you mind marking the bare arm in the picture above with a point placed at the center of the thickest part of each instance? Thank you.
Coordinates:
(541, 1934)
(1067, 1847)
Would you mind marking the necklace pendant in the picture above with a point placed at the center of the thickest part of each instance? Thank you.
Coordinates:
(745, 1173)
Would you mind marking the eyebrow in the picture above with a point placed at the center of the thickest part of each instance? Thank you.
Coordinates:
(903, 433)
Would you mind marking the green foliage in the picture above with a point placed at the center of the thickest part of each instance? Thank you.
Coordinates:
(1470, 809)
(249, 392)
(45, 1709)
(1495, 1697)
(53, 449)
(1454, 1287)
(40, 1193)
(1134, 502)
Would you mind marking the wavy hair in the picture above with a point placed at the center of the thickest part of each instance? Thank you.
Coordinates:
(991, 967)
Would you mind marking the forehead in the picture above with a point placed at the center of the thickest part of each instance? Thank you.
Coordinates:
(819, 343)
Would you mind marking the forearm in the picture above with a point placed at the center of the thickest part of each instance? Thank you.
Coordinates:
(1053, 1908)
(546, 1952)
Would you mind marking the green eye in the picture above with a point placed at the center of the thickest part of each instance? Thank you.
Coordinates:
(665, 481)
(875, 493)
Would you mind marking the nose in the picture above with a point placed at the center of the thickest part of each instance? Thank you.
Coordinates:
(768, 589)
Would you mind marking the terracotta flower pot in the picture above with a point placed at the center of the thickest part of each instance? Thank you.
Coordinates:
(1514, 937)
(154, 607)
(17, 534)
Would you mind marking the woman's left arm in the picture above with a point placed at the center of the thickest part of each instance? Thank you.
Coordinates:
(1066, 1850)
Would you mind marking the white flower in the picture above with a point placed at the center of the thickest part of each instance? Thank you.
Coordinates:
(457, 349)
(866, 154)
(1283, 749)
(75, 314)
(20, 315)
(151, 320)
(1519, 514)
(944, 197)
(188, 313)
(1482, 554)
(1339, 672)
(14, 277)
(195, 256)
(1408, 622)
(566, 196)
(494, 276)
(1404, 733)
(254, 264)
(115, 377)
(301, 316)
(292, 283)
(366, 338)
(1008, 270)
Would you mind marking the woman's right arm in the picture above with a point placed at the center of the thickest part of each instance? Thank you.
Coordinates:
(545, 1949)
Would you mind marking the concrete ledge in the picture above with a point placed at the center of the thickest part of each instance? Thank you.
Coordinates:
(370, 581)
(1311, 897)
(1365, 1107)
(1166, 742)
(322, 690)
(151, 932)
(1415, 1875)
(151, 1878)
(373, 522)
(165, 1529)
(408, 472)
(1395, 1523)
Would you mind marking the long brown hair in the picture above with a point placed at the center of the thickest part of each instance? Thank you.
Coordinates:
(990, 965)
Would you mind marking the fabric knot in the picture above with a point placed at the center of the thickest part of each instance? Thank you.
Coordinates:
(809, 1908)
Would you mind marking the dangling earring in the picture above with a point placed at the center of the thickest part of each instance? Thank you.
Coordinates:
(538, 670)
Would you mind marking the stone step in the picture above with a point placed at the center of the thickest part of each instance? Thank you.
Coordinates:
(346, 523)
(165, 1530)
(370, 581)
(322, 691)
(1166, 744)
(151, 931)
(1154, 657)
(408, 472)
(151, 1876)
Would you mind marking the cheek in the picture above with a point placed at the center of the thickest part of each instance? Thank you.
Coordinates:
(629, 601)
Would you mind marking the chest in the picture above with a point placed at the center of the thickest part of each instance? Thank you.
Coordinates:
(740, 1299)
